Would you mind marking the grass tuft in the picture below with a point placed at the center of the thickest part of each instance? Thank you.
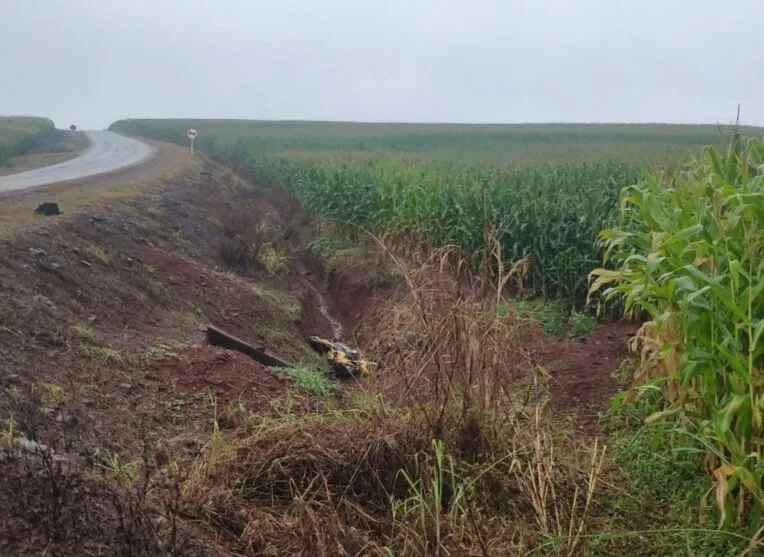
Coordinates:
(273, 260)
(98, 254)
(581, 324)
(104, 354)
(312, 380)
(84, 332)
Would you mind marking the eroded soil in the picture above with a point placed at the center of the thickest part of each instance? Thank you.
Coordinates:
(102, 314)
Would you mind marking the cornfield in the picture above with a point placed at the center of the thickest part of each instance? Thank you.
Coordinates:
(546, 191)
(551, 215)
(519, 145)
(690, 253)
(681, 242)
(19, 134)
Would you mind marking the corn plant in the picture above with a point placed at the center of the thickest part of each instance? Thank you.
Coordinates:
(396, 183)
(548, 189)
(550, 215)
(690, 253)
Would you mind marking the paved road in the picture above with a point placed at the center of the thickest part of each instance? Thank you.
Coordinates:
(107, 152)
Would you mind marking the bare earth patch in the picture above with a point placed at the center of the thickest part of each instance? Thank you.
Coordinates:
(230, 377)
(583, 371)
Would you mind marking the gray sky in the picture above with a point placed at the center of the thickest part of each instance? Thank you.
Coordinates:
(90, 62)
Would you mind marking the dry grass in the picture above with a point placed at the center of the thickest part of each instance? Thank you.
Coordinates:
(446, 339)
(245, 232)
(449, 460)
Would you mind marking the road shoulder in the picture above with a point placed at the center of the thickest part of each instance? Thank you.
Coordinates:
(62, 146)
(17, 207)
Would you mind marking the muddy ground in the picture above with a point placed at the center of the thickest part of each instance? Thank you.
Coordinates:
(102, 318)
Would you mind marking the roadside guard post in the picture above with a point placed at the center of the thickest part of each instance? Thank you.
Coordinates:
(191, 134)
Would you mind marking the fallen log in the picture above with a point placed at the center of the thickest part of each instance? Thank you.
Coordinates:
(218, 337)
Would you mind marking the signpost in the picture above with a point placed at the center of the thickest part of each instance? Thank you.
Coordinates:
(191, 134)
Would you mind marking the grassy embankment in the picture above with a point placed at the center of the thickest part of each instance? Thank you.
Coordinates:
(20, 134)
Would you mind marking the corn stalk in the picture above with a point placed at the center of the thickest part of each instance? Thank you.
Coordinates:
(690, 253)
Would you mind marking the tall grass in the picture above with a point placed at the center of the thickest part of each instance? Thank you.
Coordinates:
(19, 134)
(690, 253)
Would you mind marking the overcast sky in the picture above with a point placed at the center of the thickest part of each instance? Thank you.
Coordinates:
(90, 62)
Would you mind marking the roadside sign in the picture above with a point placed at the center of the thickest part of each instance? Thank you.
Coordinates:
(191, 134)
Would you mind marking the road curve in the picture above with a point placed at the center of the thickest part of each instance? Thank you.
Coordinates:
(107, 153)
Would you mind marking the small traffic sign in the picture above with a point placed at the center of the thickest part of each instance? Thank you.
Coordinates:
(191, 134)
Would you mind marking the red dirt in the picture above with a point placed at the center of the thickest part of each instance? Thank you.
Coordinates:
(350, 293)
(230, 376)
(354, 298)
(311, 321)
(224, 302)
(183, 274)
(583, 370)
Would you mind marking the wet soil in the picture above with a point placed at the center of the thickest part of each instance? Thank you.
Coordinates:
(583, 371)
(230, 377)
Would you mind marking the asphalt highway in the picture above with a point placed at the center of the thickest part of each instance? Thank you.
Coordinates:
(107, 153)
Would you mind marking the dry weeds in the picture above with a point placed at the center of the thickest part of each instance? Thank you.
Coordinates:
(450, 460)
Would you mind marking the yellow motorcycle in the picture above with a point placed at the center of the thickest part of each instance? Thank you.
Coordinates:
(345, 361)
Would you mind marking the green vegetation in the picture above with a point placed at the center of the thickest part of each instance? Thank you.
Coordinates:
(690, 253)
(453, 184)
(499, 144)
(555, 318)
(19, 134)
(581, 324)
(104, 354)
(651, 466)
(311, 379)
(84, 332)
(166, 350)
(680, 241)
(98, 254)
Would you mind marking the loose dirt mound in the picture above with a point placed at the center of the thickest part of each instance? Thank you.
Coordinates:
(228, 375)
